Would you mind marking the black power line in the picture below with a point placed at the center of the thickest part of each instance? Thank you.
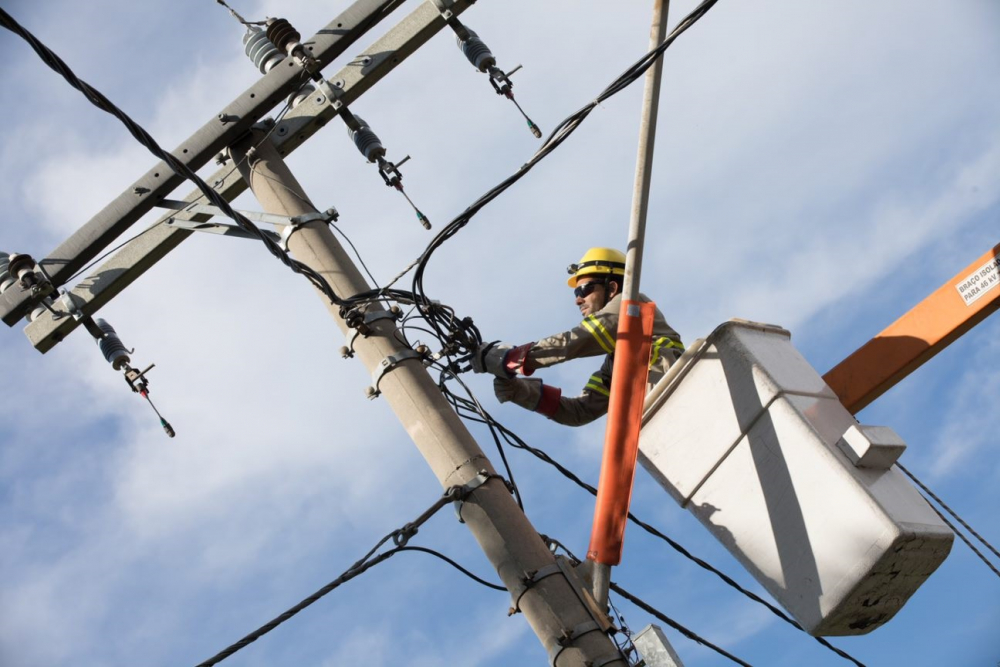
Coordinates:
(553, 141)
(143, 137)
(950, 511)
(649, 609)
(400, 537)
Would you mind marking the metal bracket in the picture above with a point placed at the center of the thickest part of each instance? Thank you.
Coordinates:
(218, 228)
(296, 223)
(449, 17)
(69, 304)
(363, 328)
(292, 224)
(332, 91)
(529, 580)
(471, 486)
(387, 365)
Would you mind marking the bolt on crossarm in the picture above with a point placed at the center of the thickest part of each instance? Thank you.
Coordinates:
(551, 605)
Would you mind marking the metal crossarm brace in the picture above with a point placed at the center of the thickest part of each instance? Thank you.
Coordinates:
(366, 69)
(234, 121)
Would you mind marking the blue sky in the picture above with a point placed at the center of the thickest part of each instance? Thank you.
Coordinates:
(822, 166)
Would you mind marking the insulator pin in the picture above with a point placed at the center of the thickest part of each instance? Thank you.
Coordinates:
(476, 51)
(111, 345)
(366, 140)
(260, 50)
(283, 35)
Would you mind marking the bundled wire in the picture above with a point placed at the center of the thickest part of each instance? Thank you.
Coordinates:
(399, 537)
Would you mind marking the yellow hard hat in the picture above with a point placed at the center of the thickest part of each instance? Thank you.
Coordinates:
(597, 261)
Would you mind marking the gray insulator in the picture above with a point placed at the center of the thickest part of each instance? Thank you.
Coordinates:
(477, 52)
(39, 311)
(111, 345)
(366, 141)
(261, 51)
(301, 95)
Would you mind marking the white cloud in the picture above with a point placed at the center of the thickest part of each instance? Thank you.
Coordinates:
(969, 423)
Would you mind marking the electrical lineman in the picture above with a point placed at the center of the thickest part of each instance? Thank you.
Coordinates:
(597, 281)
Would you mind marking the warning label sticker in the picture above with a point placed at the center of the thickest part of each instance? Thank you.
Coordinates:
(980, 281)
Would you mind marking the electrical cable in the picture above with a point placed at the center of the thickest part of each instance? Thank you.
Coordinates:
(478, 408)
(963, 537)
(649, 609)
(455, 565)
(143, 137)
(400, 536)
(950, 511)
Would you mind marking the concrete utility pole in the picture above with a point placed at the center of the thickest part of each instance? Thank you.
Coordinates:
(553, 605)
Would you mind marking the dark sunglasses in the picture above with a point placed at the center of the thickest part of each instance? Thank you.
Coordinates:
(583, 291)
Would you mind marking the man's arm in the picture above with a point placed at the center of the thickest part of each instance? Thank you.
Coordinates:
(534, 395)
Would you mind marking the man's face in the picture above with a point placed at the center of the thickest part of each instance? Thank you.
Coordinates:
(595, 300)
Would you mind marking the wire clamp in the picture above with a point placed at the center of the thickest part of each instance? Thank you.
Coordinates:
(529, 581)
(566, 639)
(362, 324)
(481, 478)
(295, 223)
(68, 302)
(332, 92)
(385, 366)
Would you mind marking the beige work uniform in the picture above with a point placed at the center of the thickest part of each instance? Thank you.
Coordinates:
(594, 336)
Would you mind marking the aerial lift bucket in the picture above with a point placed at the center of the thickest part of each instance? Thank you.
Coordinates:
(745, 434)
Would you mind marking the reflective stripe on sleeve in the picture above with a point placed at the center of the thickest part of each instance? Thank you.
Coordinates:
(663, 343)
(596, 383)
(600, 333)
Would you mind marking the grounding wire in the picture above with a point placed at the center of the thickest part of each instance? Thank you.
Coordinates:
(949, 510)
(400, 536)
(515, 441)
(143, 137)
(649, 609)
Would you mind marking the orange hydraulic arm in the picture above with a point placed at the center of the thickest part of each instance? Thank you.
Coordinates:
(954, 308)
